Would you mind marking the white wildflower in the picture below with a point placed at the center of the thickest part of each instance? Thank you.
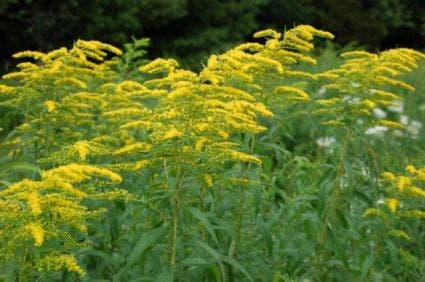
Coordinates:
(376, 130)
(397, 108)
(322, 90)
(380, 202)
(379, 113)
(354, 84)
(325, 141)
(414, 128)
(398, 133)
(404, 119)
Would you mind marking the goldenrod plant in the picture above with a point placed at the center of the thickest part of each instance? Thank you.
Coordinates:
(43, 222)
(363, 83)
(404, 200)
(266, 70)
(54, 92)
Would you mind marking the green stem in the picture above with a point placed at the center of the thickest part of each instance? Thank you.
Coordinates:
(175, 220)
(239, 218)
(22, 266)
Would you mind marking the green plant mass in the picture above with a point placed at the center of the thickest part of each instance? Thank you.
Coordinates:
(276, 161)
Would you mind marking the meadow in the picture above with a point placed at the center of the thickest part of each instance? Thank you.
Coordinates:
(276, 161)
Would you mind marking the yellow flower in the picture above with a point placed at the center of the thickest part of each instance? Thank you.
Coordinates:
(83, 149)
(37, 233)
(403, 182)
(34, 203)
(50, 105)
(267, 33)
(389, 123)
(172, 133)
(199, 144)
(388, 176)
(137, 147)
(392, 204)
(208, 180)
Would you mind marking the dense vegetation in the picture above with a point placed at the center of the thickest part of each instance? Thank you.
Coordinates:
(272, 163)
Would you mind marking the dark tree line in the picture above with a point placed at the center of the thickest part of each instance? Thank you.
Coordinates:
(190, 29)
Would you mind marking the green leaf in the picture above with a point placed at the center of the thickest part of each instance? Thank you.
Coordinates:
(193, 261)
(336, 247)
(146, 241)
(265, 233)
(5, 183)
(237, 265)
(205, 221)
(366, 265)
(164, 277)
(19, 166)
(216, 255)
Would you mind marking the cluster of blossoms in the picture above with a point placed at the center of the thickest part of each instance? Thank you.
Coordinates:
(407, 198)
(362, 84)
(44, 213)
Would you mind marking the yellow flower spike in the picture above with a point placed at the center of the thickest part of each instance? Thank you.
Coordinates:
(37, 233)
(137, 147)
(5, 89)
(251, 47)
(388, 176)
(199, 144)
(288, 89)
(239, 156)
(223, 134)
(83, 148)
(368, 104)
(392, 204)
(141, 164)
(29, 54)
(160, 65)
(55, 54)
(273, 44)
(399, 234)
(172, 133)
(55, 263)
(402, 183)
(388, 123)
(259, 107)
(373, 212)
(208, 180)
(34, 203)
(393, 82)
(267, 33)
(71, 80)
(416, 192)
(411, 169)
(50, 105)
(357, 54)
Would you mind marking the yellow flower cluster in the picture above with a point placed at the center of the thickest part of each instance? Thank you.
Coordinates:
(265, 69)
(364, 81)
(194, 115)
(35, 212)
(190, 119)
(407, 198)
(49, 93)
